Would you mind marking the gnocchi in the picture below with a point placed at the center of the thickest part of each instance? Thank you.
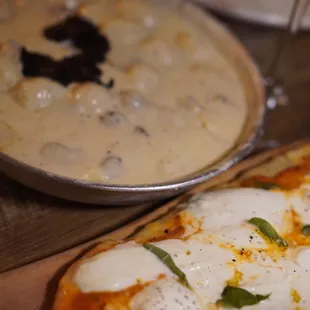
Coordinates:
(114, 91)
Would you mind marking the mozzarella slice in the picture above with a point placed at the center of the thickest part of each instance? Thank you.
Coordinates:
(300, 201)
(300, 287)
(119, 268)
(303, 259)
(165, 294)
(206, 266)
(300, 283)
(238, 237)
(278, 300)
(232, 207)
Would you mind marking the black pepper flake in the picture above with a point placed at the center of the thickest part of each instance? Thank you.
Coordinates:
(141, 131)
(233, 260)
(166, 231)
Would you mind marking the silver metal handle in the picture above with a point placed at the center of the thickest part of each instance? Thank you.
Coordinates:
(297, 13)
(275, 93)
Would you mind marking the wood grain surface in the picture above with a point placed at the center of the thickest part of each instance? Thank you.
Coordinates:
(33, 226)
(42, 277)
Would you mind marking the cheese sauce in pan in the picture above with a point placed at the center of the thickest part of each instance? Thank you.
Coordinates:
(144, 96)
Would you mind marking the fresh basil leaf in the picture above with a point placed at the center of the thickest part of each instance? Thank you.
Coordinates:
(235, 297)
(168, 261)
(306, 230)
(266, 185)
(267, 229)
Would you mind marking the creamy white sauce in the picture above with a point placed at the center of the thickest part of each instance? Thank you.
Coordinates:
(179, 103)
(210, 257)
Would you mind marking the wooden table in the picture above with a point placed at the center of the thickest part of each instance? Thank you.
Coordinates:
(33, 225)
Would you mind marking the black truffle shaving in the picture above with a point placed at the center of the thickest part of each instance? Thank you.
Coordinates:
(82, 34)
(78, 68)
(93, 47)
(70, 28)
(35, 64)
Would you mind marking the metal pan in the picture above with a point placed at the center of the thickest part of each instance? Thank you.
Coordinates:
(84, 191)
(271, 13)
